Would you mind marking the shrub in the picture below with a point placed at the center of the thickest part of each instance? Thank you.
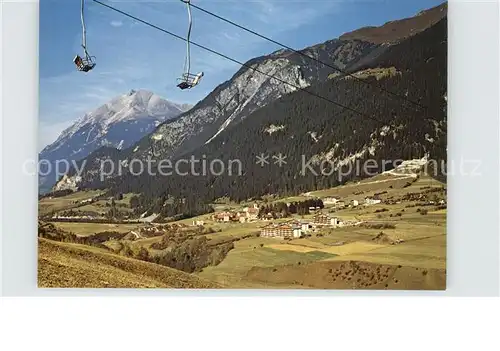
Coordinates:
(143, 254)
(190, 254)
(127, 251)
(379, 226)
(423, 212)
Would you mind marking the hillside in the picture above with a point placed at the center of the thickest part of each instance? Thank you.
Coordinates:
(386, 129)
(236, 99)
(64, 265)
(298, 124)
(248, 91)
(327, 184)
(350, 275)
(397, 30)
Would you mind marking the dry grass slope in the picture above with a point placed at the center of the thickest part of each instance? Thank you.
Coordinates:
(63, 265)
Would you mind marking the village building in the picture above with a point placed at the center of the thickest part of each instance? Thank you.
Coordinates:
(198, 223)
(297, 231)
(354, 203)
(340, 204)
(267, 217)
(372, 201)
(312, 208)
(281, 230)
(321, 219)
(305, 227)
(251, 213)
(222, 217)
(248, 214)
(334, 222)
(149, 230)
(325, 220)
(330, 200)
(277, 230)
(255, 207)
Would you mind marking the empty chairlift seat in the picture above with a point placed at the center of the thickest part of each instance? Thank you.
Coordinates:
(83, 65)
(189, 80)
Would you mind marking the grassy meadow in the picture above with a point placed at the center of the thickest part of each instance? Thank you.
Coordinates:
(408, 253)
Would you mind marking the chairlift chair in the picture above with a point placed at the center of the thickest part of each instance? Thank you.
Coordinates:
(86, 63)
(188, 80)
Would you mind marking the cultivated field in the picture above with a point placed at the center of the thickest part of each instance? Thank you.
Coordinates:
(48, 205)
(85, 229)
(419, 262)
(249, 253)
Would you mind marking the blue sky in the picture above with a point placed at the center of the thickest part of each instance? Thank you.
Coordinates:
(131, 55)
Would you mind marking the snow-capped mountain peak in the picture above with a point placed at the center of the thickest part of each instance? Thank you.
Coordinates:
(118, 123)
(133, 106)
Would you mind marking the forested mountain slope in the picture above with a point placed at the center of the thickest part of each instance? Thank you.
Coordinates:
(302, 126)
(249, 90)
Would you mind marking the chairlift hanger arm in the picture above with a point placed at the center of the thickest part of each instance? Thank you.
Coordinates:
(87, 62)
(187, 64)
(188, 80)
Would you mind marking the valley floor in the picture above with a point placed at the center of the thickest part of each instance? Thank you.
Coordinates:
(410, 254)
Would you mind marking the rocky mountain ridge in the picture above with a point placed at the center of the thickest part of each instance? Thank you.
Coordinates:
(248, 94)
